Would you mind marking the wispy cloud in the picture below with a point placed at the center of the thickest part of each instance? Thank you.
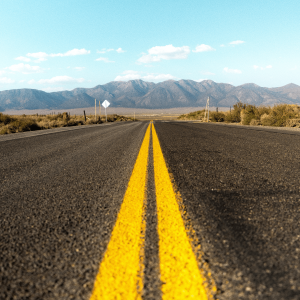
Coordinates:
(6, 80)
(262, 68)
(131, 75)
(104, 59)
(238, 42)
(104, 50)
(233, 71)
(25, 68)
(42, 56)
(204, 48)
(167, 52)
(159, 77)
(120, 50)
(61, 79)
(128, 75)
(23, 58)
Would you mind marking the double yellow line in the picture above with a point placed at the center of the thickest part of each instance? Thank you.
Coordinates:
(120, 274)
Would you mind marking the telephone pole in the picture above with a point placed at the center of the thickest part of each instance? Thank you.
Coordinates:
(207, 110)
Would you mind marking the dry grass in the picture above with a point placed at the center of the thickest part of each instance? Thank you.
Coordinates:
(12, 124)
(281, 115)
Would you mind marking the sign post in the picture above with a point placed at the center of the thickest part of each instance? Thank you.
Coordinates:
(105, 104)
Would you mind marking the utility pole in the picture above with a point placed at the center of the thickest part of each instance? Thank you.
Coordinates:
(95, 110)
(207, 110)
(99, 110)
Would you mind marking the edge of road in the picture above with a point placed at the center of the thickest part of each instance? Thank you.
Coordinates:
(287, 130)
(20, 135)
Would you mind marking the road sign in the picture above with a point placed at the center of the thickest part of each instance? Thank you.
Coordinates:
(105, 104)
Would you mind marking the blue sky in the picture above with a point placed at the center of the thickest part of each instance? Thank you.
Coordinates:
(60, 45)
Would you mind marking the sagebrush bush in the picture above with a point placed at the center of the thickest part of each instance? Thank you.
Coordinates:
(11, 124)
(217, 116)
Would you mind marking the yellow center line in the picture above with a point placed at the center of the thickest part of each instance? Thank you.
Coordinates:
(120, 272)
(180, 275)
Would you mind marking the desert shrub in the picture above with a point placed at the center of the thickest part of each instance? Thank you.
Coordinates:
(66, 117)
(282, 112)
(195, 115)
(235, 115)
(293, 123)
(6, 119)
(255, 122)
(20, 125)
(217, 116)
(267, 120)
(261, 110)
(248, 113)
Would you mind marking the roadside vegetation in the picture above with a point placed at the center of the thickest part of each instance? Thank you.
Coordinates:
(12, 124)
(281, 115)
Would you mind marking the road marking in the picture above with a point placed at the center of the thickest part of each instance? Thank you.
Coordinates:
(180, 274)
(120, 272)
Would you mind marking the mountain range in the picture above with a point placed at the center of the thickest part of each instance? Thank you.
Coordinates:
(141, 94)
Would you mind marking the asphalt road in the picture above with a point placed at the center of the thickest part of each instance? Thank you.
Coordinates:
(59, 198)
(60, 195)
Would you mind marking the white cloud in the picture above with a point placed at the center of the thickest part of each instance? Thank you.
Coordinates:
(222, 45)
(158, 77)
(200, 80)
(104, 59)
(25, 68)
(32, 81)
(167, 52)
(73, 52)
(38, 55)
(40, 60)
(104, 50)
(131, 75)
(2, 72)
(42, 56)
(23, 58)
(262, 68)
(61, 79)
(6, 80)
(203, 48)
(120, 50)
(21, 81)
(233, 71)
(79, 68)
(238, 42)
(128, 75)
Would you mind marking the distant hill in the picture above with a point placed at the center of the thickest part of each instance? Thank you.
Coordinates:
(141, 94)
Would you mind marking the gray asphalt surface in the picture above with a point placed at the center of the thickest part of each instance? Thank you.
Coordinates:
(241, 190)
(59, 198)
(60, 194)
